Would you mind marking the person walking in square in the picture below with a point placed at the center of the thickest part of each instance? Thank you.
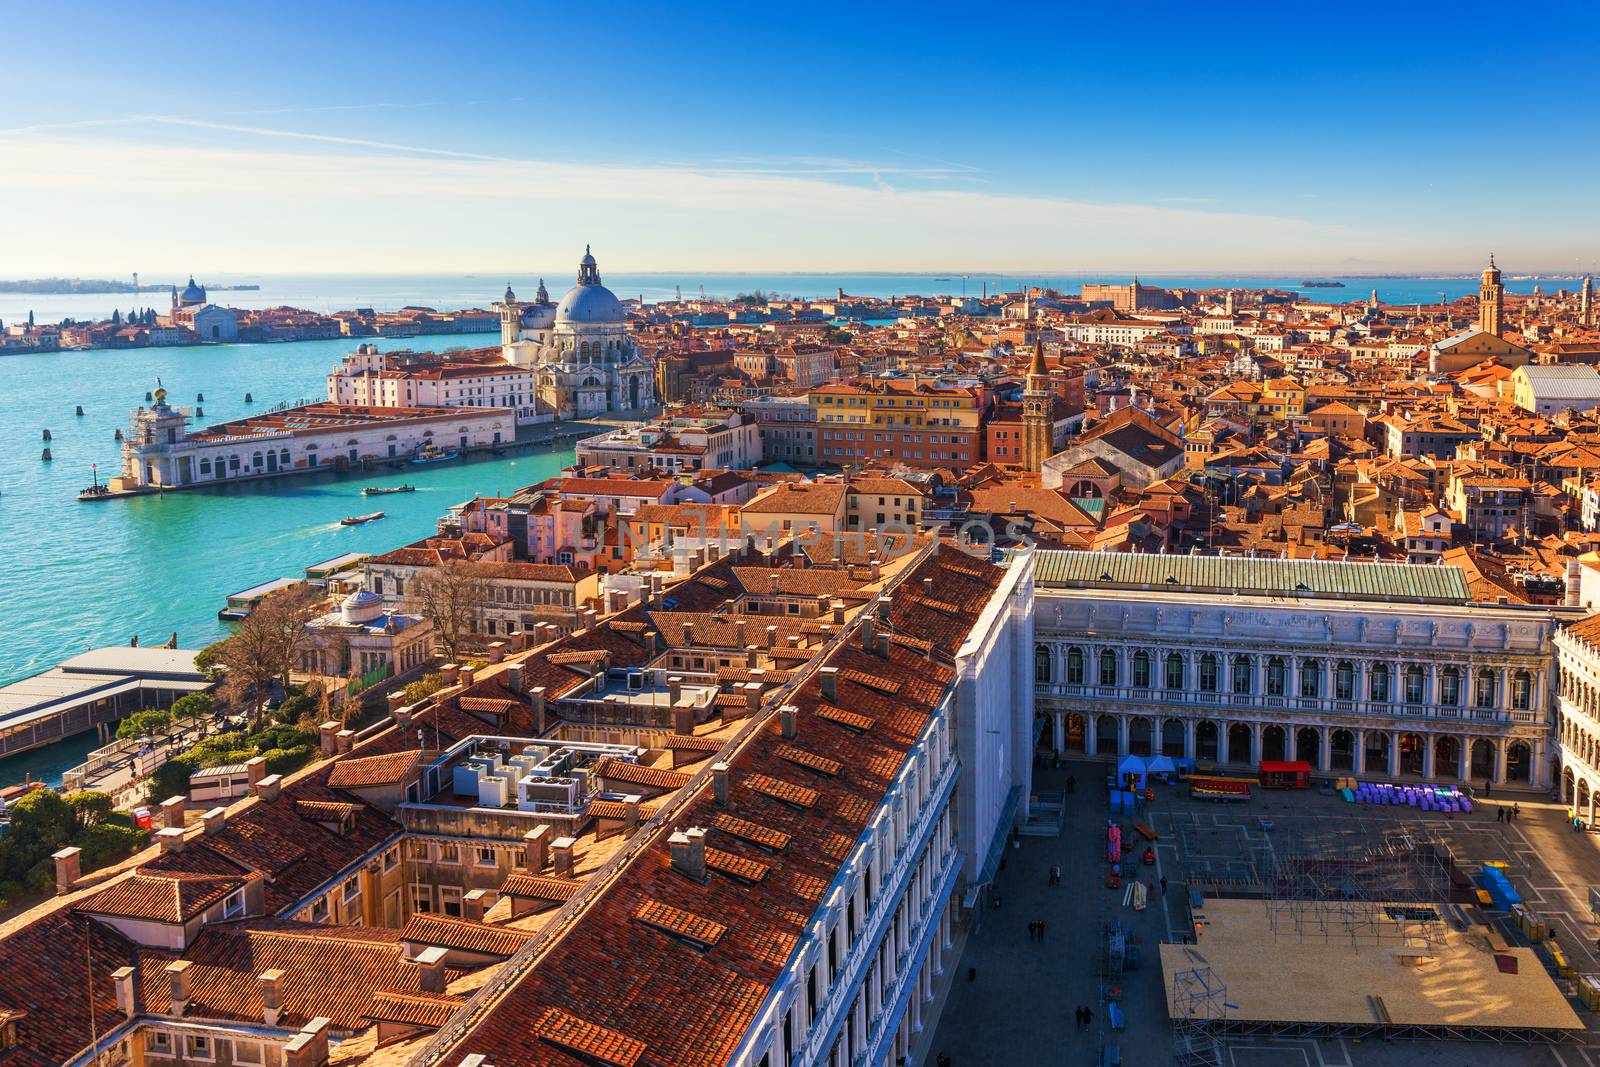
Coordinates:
(1499, 814)
(1516, 810)
(1163, 885)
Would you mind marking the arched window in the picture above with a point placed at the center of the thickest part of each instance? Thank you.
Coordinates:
(1141, 669)
(1208, 673)
(1522, 691)
(1378, 683)
(1277, 677)
(1108, 667)
(1041, 664)
(1311, 678)
(1413, 684)
(1450, 687)
(1484, 697)
(1174, 671)
(1243, 675)
(1344, 681)
(1074, 665)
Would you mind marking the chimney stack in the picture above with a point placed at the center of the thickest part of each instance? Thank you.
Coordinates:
(536, 849)
(630, 812)
(467, 676)
(719, 783)
(536, 695)
(561, 855)
(869, 633)
(741, 636)
(170, 838)
(674, 689)
(473, 904)
(683, 719)
(689, 853)
(514, 677)
(267, 789)
(788, 720)
(883, 645)
(214, 821)
(255, 769)
(519, 640)
(327, 733)
(178, 985)
(772, 636)
(308, 1048)
(172, 811)
(497, 651)
(449, 672)
(430, 969)
(125, 981)
(69, 862)
(838, 613)
(829, 677)
(344, 740)
(883, 610)
(270, 984)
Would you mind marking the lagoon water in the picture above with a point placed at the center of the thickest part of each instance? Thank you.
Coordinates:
(76, 575)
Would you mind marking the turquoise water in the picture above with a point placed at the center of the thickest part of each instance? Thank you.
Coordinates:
(76, 575)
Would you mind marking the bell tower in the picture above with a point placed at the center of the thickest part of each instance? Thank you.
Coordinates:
(1036, 405)
(1491, 300)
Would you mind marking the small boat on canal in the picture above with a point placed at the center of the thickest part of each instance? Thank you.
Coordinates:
(357, 520)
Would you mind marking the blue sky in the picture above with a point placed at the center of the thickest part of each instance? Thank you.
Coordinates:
(406, 137)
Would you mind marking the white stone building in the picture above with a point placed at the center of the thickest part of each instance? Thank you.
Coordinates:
(1383, 670)
(581, 349)
(1577, 723)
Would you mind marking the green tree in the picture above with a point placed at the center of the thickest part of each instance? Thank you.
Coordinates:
(144, 723)
(171, 779)
(193, 706)
(209, 659)
(423, 688)
(89, 808)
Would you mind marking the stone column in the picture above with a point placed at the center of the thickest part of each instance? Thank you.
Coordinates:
(1499, 761)
(1463, 758)
(1122, 735)
(1394, 753)
(1325, 749)
(1589, 821)
(1257, 729)
(1291, 742)
(1223, 755)
(1059, 733)
(1090, 733)
(1188, 738)
(1427, 757)
(1359, 763)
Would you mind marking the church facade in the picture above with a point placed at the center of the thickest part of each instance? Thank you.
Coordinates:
(584, 359)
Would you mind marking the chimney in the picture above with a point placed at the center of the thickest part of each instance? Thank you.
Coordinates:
(519, 640)
(877, 568)
(674, 689)
(689, 853)
(255, 769)
(752, 696)
(772, 636)
(514, 677)
(172, 811)
(772, 583)
(651, 644)
(536, 849)
(561, 855)
(267, 789)
(788, 720)
(630, 812)
(793, 641)
(467, 676)
(170, 838)
(214, 821)
(683, 719)
(473, 904)
(883, 610)
(752, 655)
(69, 861)
(869, 633)
(741, 636)
(125, 981)
(589, 618)
(497, 651)
(270, 984)
(430, 969)
(719, 783)
(838, 613)
(883, 645)
(830, 683)
(536, 696)
(308, 1048)
(178, 985)
(344, 740)
(449, 672)
(927, 587)
(327, 732)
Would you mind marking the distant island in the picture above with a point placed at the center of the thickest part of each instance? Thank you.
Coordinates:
(59, 286)
(1322, 285)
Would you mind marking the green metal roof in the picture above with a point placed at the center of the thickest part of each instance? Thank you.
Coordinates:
(1322, 579)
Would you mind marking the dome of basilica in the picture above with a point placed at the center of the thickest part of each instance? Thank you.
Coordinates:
(589, 301)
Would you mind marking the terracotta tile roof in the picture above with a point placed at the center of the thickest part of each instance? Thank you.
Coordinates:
(778, 789)
(588, 1040)
(692, 743)
(488, 705)
(429, 929)
(656, 777)
(431, 1010)
(755, 833)
(367, 771)
(809, 760)
(736, 866)
(538, 887)
(326, 810)
(58, 976)
(162, 897)
(844, 718)
(607, 809)
(697, 930)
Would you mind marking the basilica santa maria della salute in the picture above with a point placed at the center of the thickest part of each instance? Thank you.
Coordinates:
(585, 360)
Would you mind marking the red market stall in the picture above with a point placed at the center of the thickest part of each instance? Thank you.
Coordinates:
(1285, 774)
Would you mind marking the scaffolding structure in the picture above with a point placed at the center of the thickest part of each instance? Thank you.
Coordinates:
(1199, 1008)
(1351, 880)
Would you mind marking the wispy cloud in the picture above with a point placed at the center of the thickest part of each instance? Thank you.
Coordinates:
(263, 198)
(1187, 200)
